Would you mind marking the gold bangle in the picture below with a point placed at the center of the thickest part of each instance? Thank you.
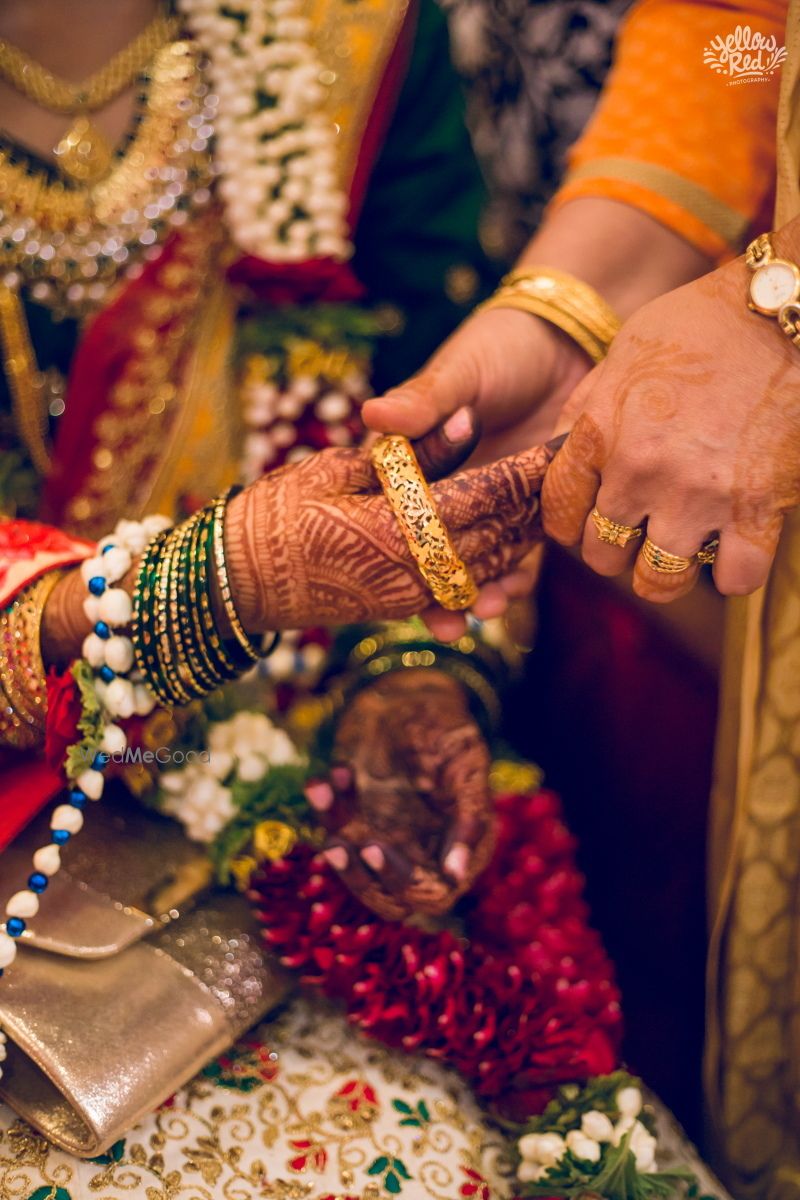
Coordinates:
(23, 679)
(252, 651)
(566, 302)
(410, 499)
(470, 678)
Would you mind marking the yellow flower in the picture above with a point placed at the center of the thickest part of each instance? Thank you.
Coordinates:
(242, 869)
(514, 778)
(273, 840)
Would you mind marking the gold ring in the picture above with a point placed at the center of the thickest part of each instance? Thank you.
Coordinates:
(662, 561)
(613, 533)
(410, 499)
(708, 551)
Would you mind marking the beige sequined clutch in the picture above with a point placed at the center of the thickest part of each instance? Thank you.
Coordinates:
(133, 976)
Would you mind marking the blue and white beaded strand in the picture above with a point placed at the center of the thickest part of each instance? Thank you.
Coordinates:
(121, 693)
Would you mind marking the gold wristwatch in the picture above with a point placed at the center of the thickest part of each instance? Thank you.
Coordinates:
(774, 286)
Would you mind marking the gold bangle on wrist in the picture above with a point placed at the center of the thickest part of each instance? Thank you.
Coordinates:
(410, 499)
(555, 296)
(23, 679)
(249, 647)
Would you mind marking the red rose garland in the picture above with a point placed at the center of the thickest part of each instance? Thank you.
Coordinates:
(528, 1002)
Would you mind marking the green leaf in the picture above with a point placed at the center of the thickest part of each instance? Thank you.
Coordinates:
(279, 796)
(401, 1106)
(50, 1193)
(412, 1121)
(378, 1165)
(111, 1156)
(401, 1168)
(392, 1183)
(422, 1108)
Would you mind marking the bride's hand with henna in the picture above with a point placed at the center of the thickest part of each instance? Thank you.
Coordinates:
(407, 806)
(317, 543)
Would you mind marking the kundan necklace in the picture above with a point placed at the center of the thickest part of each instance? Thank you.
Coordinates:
(83, 152)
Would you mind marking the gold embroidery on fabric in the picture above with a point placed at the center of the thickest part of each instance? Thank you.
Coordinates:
(752, 1065)
(305, 1108)
(132, 432)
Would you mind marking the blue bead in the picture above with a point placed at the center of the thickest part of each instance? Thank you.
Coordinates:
(15, 927)
(77, 798)
(102, 629)
(106, 549)
(97, 585)
(61, 836)
(2, 972)
(100, 761)
(106, 674)
(38, 882)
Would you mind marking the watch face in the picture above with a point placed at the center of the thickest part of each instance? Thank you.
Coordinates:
(772, 286)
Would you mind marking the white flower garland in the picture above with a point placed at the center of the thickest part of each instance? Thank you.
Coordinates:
(277, 159)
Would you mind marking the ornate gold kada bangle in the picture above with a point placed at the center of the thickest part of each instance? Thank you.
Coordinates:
(410, 499)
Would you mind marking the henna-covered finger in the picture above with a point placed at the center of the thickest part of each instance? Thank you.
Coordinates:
(661, 587)
(743, 563)
(507, 489)
(345, 859)
(490, 559)
(333, 799)
(390, 866)
(570, 487)
(602, 557)
(465, 777)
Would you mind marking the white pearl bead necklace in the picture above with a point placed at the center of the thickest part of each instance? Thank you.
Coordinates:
(110, 655)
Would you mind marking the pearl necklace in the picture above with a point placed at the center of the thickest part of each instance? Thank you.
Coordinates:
(111, 656)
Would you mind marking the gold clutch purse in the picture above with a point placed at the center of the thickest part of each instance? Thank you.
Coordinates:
(132, 977)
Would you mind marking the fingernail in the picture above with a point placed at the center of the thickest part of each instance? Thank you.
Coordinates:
(342, 777)
(457, 862)
(337, 856)
(374, 857)
(459, 427)
(319, 796)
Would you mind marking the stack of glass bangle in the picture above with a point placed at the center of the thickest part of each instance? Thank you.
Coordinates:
(176, 641)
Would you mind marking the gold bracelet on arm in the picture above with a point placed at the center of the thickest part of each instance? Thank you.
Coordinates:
(566, 302)
(23, 678)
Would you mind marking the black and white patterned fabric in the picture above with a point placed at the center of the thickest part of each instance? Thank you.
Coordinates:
(533, 69)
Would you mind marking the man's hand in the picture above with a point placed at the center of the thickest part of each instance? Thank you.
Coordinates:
(514, 369)
(692, 424)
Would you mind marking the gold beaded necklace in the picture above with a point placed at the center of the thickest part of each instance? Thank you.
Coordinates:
(67, 243)
(84, 153)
